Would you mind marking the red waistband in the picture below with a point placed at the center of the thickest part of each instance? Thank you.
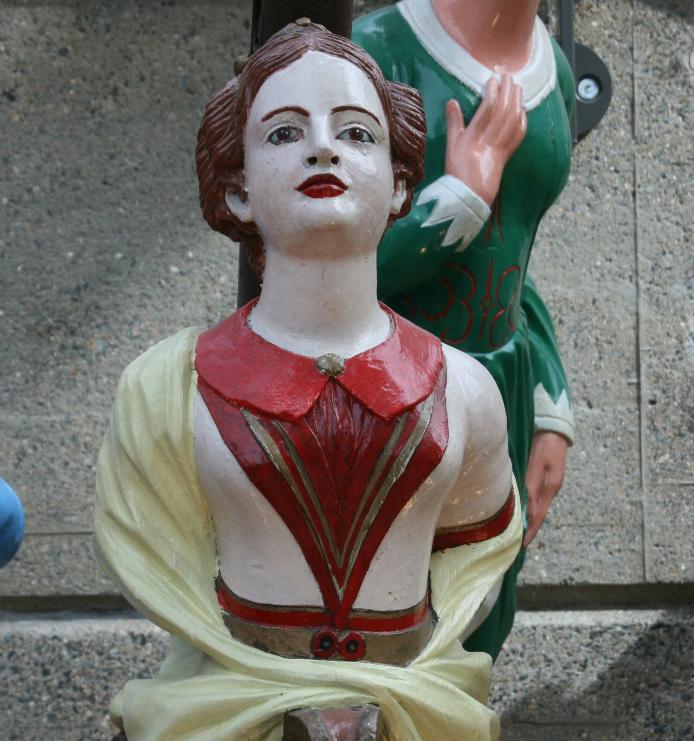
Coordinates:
(476, 533)
(306, 617)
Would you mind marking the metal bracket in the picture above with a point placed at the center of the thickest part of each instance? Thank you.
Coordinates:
(593, 80)
(269, 16)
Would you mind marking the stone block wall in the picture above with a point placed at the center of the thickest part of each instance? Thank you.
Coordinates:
(103, 252)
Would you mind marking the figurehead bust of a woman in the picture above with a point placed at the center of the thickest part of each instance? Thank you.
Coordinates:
(314, 495)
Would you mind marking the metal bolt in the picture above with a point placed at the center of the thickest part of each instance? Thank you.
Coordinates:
(588, 88)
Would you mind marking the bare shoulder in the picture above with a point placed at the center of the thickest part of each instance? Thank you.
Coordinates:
(474, 388)
(476, 409)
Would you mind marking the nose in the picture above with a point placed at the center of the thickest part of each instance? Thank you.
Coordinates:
(321, 149)
(324, 158)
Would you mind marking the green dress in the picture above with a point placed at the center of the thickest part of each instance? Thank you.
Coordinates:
(458, 270)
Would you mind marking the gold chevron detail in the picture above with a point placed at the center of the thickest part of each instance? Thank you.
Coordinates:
(394, 474)
(308, 485)
(275, 456)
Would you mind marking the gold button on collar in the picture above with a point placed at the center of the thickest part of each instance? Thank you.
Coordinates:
(330, 364)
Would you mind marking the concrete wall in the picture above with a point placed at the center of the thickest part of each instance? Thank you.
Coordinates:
(103, 252)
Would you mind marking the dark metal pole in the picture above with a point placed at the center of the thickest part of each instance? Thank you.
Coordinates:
(269, 16)
(565, 10)
(593, 81)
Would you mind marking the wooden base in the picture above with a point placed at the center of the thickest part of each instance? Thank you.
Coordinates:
(337, 724)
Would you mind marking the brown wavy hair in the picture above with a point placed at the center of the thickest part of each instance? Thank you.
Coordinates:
(219, 154)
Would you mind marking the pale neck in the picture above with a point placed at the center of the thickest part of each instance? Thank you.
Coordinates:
(497, 33)
(317, 306)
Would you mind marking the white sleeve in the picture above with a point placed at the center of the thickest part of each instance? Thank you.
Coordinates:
(457, 203)
(553, 416)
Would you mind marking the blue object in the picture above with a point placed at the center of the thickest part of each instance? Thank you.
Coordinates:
(11, 523)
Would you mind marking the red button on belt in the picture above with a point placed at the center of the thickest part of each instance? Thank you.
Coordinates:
(324, 644)
(352, 647)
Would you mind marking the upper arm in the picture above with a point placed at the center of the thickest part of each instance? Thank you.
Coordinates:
(150, 406)
(410, 253)
(446, 217)
(482, 490)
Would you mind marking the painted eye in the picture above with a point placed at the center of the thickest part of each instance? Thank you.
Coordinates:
(356, 134)
(285, 135)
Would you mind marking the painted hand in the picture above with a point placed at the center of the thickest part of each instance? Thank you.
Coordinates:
(544, 478)
(478, 153)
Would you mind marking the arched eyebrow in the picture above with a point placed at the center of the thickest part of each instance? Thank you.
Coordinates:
(356, 108)
(294, 108)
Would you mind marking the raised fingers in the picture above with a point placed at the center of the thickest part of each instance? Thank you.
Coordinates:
(501, 108)
(515, 120)
(505, 91)
(454, 118)
(485, 112)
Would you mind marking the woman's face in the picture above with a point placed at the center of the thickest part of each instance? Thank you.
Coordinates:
(317, 160)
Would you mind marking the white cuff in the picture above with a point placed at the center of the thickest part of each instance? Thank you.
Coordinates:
(457, 203)
(553, 416)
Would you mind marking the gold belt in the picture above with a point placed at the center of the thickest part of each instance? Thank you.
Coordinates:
(398, 636)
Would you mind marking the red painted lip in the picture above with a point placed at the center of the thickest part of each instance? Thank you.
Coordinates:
(322, 186)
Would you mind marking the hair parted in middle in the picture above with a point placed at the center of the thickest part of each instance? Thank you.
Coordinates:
(220, 147)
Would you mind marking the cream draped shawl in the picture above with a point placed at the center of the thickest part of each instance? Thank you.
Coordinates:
(155, 533)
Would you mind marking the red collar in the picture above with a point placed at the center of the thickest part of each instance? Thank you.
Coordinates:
(250, 372)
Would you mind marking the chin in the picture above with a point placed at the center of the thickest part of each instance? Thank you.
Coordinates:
(344, 212)
(328, 220)
(327, 215)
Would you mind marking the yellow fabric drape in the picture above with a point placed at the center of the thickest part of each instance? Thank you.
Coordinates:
(155, 533)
